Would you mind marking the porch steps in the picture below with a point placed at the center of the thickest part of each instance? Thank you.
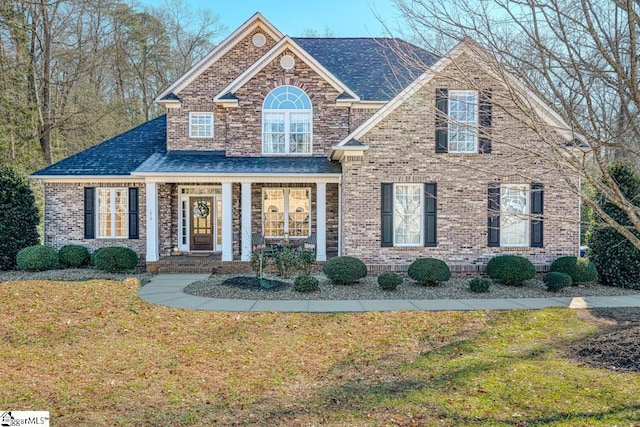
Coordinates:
(209, 264)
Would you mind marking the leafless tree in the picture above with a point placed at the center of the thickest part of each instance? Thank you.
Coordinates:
(580, 57)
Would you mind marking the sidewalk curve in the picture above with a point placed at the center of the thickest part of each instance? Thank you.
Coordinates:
(167, 290)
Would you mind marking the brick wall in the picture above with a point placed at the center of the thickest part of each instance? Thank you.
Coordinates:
(402, 149)
(64, 217)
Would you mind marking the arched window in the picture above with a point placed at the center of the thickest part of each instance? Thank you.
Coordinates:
(286, 121)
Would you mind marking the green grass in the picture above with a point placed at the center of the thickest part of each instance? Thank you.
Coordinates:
(93, 353)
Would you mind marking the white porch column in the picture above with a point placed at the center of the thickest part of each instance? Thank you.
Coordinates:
(227, 222)
(321, 221)
(152, 222)
(245, 237)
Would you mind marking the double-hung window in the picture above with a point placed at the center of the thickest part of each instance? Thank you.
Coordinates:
(112, 218)
(407, 215)
(200, 125)
(287, 122)
(514, 215)
(286, 211)
(463, 121)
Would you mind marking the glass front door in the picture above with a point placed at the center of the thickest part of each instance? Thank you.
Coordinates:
(200, 219)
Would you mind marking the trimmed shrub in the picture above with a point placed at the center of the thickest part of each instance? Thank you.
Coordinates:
(307, 259)
(73, 255)
(580, 269)
(305, 283)
(18, 216)
(286, 260)
(429, 271)
(389, 281)
(510, 270)
(114, 259)
(344, 270)
(616, 259)
(478, 284)
(37, 258)
(556, 280)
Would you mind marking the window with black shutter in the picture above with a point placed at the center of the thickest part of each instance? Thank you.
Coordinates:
(430, 214)
(89, 213)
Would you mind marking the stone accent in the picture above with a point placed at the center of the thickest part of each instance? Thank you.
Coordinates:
(402, 150)
(64, 217)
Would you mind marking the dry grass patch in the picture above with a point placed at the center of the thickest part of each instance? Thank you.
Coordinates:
(94, 353)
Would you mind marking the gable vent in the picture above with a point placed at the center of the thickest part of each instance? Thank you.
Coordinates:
(259, 40)
(287, 62)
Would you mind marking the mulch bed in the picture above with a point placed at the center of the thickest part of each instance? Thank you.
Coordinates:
(617, 345)
(255, 283)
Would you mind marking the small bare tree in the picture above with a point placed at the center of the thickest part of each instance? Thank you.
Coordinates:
(579, 57)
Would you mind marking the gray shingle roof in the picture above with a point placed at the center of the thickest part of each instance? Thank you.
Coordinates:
(214, 162)
(376, 69)
(117, 156)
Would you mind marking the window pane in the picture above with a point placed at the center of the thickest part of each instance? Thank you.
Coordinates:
(274, 135)
(462, 121)
(121, 213)
(407, 218)
(299, 212)
(300, 133)
(201, 125)
(287, 118)
(104, 213)
(273, 212)
(514, 219)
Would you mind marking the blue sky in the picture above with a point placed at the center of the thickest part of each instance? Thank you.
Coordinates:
(344, 18)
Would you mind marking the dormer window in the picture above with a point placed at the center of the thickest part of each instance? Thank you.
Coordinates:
(286, 122)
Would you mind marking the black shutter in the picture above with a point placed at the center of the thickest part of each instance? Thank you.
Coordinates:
(386, 220)
(442, 120)
(89, 213)
(493, 218)
(134, 232)
(484, 117)
(537, 209)
(430, 214)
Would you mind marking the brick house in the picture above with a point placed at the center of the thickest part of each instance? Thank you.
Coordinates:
(335, 138)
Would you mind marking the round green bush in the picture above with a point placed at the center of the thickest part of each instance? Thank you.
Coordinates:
(510, 270)
(580, 269)
(429, 271)
(556, 280)
(37, 258)
(478, 284)
(73, 255)
(114, 259)
(305, 283)
(344, 270)
(389, 281)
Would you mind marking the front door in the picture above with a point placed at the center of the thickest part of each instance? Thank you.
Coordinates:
(202, 221)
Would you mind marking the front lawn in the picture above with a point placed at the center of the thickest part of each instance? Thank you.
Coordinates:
(93, 353)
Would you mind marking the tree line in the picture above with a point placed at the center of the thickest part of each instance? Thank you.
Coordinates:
(75, 72)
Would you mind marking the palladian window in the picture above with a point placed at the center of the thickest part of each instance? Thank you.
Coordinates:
(286, 122)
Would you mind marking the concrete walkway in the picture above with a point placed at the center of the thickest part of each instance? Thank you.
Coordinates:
(167, 290)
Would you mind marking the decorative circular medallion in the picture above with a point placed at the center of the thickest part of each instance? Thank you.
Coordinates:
(259, 40)
(201, 210)
(287, 62)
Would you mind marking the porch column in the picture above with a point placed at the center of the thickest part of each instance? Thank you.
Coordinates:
(321, 221)
(152, 222)
(246, 221)
(227, 222)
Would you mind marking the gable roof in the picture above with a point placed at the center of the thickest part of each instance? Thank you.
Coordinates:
(286, 43)
(376, 69)
(115, 157)
(257, 20)
(465, 46)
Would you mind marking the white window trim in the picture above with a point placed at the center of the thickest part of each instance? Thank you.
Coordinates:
(527, 241)
(286, 210)
(421, 242)
(112, 209)
(201, 113)
(476, 118)
(287, 132)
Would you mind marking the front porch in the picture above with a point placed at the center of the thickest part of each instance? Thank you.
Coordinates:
(213, 219)
(210, 263)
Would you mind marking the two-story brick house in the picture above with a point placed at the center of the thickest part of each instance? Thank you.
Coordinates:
(336, 138)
